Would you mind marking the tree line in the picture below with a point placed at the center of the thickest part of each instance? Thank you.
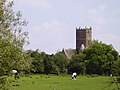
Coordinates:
(43, 63)
(99, 59)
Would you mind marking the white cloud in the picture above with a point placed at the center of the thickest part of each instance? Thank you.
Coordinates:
(102, 7)
(104, 23)
(50, 36)
(96, 16)
(35, 3)
(110, 38)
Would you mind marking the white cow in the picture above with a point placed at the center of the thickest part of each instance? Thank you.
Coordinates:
(74, 75)
(15, 73)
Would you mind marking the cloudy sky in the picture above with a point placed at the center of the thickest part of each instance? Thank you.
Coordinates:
(52, 23)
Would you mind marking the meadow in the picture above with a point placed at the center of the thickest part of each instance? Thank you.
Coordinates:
(62, 82)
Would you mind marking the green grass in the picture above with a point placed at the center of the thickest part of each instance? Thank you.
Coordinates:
(51, 82)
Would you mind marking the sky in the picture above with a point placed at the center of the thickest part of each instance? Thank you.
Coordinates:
(52, 23)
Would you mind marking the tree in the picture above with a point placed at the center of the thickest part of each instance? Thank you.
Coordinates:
(12, 40)
(61, 62)
(37, 65)
(48, 64)
(115, 78)
(77, 64)
(100, 58)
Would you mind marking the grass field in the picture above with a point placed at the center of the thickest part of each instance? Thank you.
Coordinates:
(51, 82)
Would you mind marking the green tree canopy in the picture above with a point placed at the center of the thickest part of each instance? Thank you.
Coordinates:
(77, 64)
(61, 61)
(37, 61)
(100, 58)
(12, 39)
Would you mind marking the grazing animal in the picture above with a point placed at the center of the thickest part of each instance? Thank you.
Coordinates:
(74, 75)
(16, 74)
(14, 71)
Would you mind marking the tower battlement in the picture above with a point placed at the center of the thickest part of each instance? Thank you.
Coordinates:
(85, 28)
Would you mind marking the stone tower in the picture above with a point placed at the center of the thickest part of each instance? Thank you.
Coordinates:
(83, 38)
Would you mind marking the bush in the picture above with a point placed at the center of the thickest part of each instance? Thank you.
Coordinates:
(55, 70)
(4, 83)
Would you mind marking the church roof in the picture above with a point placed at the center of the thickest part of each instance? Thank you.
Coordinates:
(69, 52)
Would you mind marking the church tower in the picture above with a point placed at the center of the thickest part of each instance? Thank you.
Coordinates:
(83, 38)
